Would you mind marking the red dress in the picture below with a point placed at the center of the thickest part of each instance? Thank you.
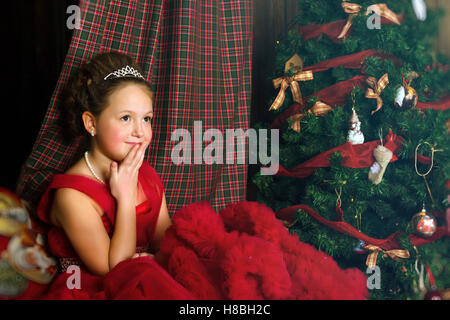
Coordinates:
(139, 278)
(241, 252)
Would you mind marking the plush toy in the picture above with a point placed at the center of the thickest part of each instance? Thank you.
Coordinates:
(25, 266)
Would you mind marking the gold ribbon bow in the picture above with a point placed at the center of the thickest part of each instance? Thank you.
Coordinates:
(286, 82)
(375, 89)
(353, 8)
(319, 109)
(395, 254)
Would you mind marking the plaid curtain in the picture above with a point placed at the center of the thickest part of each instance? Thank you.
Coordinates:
(197, 53)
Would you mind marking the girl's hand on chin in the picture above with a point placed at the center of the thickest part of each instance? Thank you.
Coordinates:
(124, 176)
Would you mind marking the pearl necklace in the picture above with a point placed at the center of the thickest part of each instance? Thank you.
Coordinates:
(90, 167)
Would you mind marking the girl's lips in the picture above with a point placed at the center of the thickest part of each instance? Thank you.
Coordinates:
(133, 143)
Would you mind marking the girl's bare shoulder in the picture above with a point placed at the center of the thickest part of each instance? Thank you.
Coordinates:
(66, 199)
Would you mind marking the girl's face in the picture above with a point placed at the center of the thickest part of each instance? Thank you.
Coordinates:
(126, 121)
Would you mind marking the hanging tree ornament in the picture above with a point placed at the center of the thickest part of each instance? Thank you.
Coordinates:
(424, 224)
(406, 96)
(359, 249)
(382, 156)
(355, 136)
(424, 175)
(420, 9)
(433, 293)
(419, 287)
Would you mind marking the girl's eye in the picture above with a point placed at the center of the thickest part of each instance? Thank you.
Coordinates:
(125, 118)
(148, 119)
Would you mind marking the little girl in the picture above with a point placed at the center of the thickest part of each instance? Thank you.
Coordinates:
(108, 216)
(108, 212)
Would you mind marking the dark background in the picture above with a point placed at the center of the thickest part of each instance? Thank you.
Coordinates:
(36, 42)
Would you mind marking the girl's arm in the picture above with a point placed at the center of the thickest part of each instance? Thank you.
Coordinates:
(75, 213)
(84, 227)
(162, 224)
(123, 242)
(86, 232)
(123, 181)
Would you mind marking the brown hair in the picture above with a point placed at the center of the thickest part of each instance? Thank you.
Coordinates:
(88, 91)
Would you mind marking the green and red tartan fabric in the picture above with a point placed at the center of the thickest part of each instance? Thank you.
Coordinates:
(198, 54)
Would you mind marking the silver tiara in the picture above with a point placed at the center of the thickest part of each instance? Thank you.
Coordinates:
(124, 72)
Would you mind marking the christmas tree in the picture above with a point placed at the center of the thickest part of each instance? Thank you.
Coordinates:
(362, 105)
